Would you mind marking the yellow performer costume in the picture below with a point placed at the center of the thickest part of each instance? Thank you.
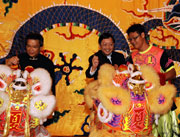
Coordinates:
(123, 103)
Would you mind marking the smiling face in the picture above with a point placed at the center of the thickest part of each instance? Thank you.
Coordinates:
(107, 46)
(33, 47)
(138, 41)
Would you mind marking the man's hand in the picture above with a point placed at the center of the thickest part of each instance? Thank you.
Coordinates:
(12, 61)
(116, 67)
(95, 63)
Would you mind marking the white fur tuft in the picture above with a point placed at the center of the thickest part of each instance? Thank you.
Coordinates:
(50, 101)
(5, 69)
(4, 99)
(45, 81)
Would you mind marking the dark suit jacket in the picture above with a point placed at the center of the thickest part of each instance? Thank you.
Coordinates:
(116, 58)
(41, 62)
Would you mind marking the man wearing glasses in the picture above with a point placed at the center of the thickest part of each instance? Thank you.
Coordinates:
(155, 57)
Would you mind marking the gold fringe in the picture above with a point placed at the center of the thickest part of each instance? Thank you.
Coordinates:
(27, 128)
(8, 115)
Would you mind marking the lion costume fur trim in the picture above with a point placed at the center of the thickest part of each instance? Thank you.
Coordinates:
(106, 74)
(90, 93)
(105, 77)
(106, 93)
(45, 79)
(150, 75)
(168, 92)
(4, 99)
(6, 70)
(49, 101)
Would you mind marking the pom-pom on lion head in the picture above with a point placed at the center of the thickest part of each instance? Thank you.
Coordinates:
(160, 98)
(104, 90)
(106, 74)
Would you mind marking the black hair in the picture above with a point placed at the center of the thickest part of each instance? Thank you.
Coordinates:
(136, 28)
(105, 35)
(35, 36)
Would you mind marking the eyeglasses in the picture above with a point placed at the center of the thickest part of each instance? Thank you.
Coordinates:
(134, 38)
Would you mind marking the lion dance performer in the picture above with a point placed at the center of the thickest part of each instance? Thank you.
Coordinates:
(25, 102)
(124, 103)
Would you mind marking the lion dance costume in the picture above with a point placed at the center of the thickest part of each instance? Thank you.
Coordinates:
(25, 102)
(125, 102)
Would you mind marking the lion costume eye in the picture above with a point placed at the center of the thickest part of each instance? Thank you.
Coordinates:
(103, 115)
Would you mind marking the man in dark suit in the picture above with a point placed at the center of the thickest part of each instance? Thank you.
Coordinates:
(32, 57)
(106, 54)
